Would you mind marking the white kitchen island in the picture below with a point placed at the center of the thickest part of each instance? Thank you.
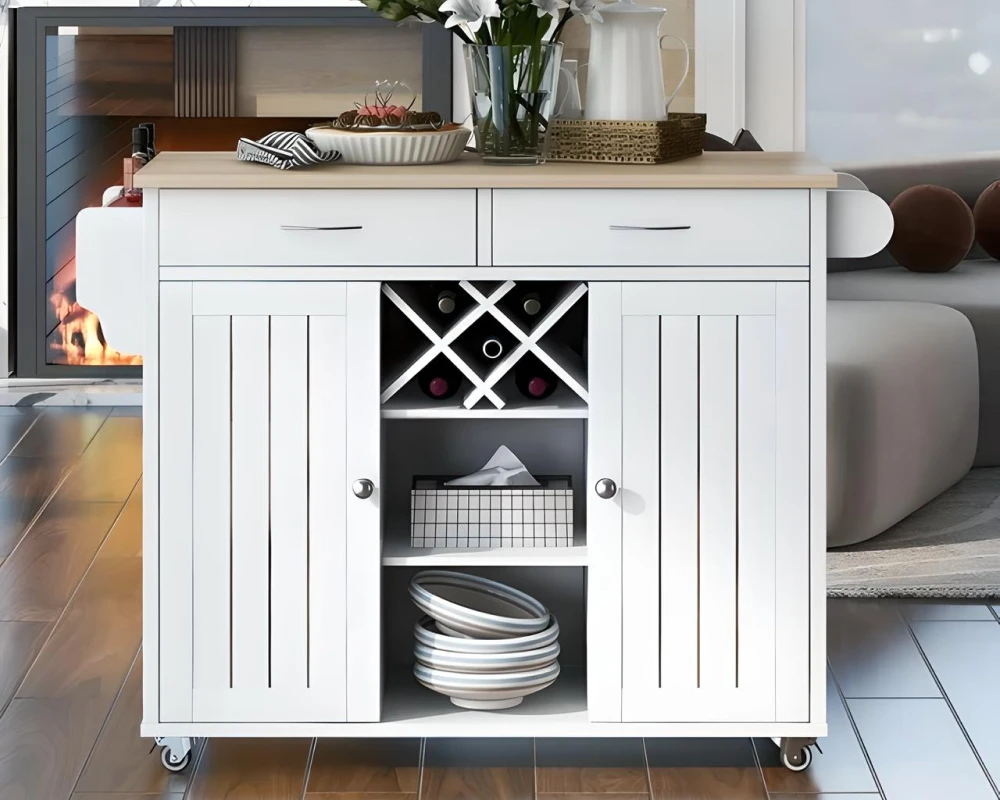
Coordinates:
(283, 428)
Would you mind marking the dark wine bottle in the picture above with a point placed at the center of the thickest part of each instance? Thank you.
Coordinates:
(534, 380)
(446, 301)
(531, 304)
(439, 380)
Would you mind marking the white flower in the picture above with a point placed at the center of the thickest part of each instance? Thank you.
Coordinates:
(469, 12)
(549, 7)
(587, 9)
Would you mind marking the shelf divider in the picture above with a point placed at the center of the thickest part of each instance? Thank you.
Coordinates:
(528, 342)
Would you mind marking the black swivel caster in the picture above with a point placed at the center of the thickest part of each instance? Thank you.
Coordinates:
(796, 754)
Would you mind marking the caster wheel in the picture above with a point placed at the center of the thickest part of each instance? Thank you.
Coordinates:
(167, 759)
(798, 762)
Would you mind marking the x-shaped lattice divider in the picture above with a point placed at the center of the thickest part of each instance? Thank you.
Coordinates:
(528, 342)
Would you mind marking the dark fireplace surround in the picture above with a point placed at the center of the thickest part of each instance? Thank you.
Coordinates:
(44, 203)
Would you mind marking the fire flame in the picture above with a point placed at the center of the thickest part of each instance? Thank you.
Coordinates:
(78, 338)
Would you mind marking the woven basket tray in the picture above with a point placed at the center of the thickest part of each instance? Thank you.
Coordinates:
(626, 141)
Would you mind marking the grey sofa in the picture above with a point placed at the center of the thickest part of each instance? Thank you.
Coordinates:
(913, 367)
(973, 287)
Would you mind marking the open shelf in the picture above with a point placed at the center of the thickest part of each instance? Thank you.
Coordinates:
(550, 712)
(411, 403)
(398, 553)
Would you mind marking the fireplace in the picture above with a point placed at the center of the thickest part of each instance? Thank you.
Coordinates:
(85, 77)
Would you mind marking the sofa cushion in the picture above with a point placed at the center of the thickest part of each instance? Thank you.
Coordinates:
(973, 288)
(902, 411)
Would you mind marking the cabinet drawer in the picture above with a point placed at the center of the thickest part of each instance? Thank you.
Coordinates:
(651, 227)
(208, 227)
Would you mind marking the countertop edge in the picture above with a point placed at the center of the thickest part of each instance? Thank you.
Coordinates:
(204, 170)
(723, 182)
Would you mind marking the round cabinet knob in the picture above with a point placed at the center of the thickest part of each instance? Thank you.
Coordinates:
(363, 488)
(606, 488)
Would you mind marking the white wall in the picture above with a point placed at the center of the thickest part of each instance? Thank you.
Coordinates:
(772, 82)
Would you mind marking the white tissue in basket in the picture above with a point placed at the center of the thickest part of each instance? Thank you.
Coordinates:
(503, 469)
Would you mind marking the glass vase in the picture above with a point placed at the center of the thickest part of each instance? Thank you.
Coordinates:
(513, 90)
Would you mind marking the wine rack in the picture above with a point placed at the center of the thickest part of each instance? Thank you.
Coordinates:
(487, 311)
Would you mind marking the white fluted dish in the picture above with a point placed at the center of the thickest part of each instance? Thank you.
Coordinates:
(486, 663)
(378, 147)
(427, 633)
(491, 692)
(467, 605)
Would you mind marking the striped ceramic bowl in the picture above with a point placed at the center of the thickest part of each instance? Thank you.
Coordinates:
(470, 606)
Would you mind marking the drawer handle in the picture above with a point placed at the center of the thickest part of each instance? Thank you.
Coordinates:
(321, 227)
(650, 227)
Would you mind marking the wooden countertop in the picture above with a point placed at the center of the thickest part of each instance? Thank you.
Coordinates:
(221, 170)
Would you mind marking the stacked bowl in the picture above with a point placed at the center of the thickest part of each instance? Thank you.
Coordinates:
(481, 643)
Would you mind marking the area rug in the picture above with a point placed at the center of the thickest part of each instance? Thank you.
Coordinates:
(948, 548)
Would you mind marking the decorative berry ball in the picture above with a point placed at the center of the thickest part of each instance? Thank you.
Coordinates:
(934, 229)
(987, 216)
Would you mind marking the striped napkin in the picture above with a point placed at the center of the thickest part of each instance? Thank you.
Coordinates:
(284, 150)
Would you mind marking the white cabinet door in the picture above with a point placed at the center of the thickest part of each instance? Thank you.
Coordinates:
(268, 610)
(701, 415)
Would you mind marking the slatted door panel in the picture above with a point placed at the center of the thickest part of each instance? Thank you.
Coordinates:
(254, 607)
(269, 543)
(699, 528)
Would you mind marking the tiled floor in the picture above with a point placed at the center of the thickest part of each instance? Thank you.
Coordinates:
(913, 692)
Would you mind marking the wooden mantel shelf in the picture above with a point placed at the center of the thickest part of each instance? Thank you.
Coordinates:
(221, 170)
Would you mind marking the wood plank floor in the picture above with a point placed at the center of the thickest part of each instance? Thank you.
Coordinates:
(913, 689)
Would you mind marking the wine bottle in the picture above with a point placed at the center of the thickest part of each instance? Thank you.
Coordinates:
(531, 304)
(446, 301)
(534, 380)
(150, 128)
(492, 348)
(439, 380)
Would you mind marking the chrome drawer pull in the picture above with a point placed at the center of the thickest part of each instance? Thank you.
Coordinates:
(650, 227)
(321, 227)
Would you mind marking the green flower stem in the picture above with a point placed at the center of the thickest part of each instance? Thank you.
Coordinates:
(562, 24)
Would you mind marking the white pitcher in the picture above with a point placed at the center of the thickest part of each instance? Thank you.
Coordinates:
(625, 80)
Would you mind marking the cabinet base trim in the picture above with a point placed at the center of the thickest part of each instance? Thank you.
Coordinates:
(527, 728)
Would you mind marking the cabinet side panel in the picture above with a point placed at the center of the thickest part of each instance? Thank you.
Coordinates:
(151, 458)
(678, 557)
(175, 540)
(604, 517)
(289, 502)
(364, 541)
(717, 501)
(755, 504)
(251, 512)
(327, 511)
(212, 504)
(817, 455)
(640, 493)
(792, 618)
